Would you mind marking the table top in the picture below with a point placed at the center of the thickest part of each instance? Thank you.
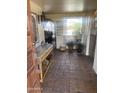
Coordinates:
(42, 48)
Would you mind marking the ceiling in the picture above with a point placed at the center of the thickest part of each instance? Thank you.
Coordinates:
(62, 6)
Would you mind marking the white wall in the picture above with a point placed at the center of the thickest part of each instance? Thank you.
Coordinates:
(41, 33)
(59, 41)
(95, 60)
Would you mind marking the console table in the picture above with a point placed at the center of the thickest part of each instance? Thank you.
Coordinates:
(42, 53)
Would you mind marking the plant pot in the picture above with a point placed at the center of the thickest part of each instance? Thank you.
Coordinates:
(70, 46)
(80, 48)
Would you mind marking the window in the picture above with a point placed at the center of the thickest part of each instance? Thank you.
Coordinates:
(73, 26)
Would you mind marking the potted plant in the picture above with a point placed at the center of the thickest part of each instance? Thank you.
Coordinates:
(70, 46)
(80, 47)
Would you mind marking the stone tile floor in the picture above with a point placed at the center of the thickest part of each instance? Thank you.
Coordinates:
(70, 73)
